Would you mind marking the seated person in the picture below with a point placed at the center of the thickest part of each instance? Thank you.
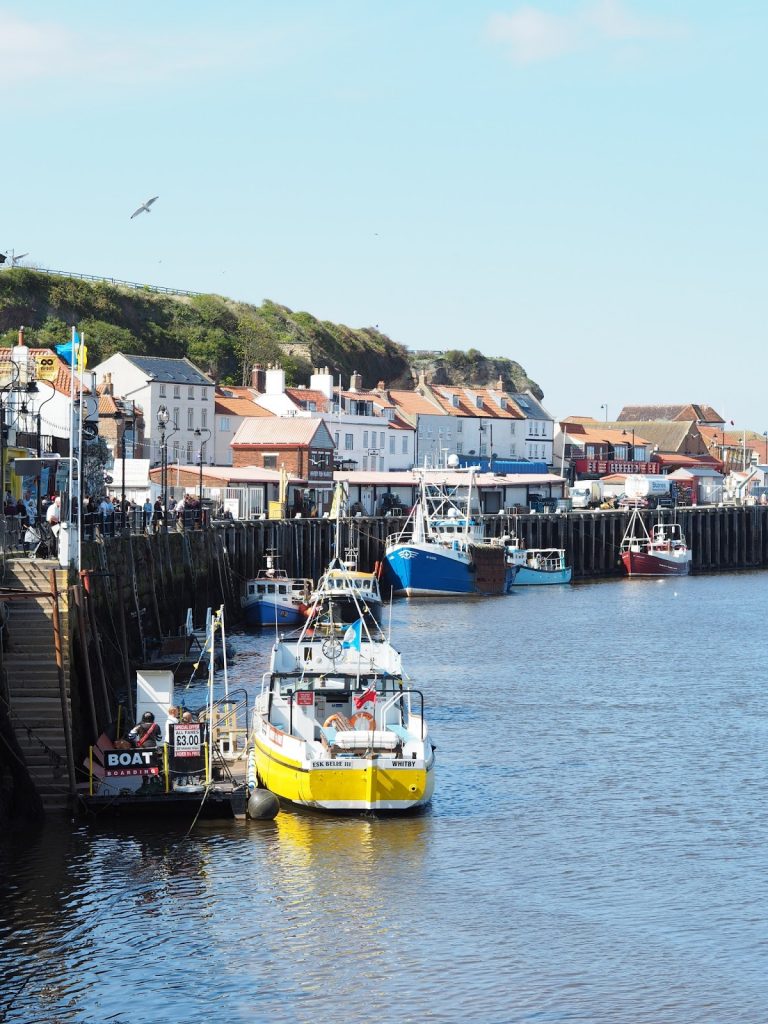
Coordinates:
(147, 733)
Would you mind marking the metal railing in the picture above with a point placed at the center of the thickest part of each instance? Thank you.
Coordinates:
(115, 281)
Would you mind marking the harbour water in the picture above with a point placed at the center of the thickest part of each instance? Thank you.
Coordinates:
(596, 851)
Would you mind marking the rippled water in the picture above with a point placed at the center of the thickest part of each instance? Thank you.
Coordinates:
(596, 849)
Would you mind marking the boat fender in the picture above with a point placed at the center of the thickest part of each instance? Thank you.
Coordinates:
(262, 805)
(363, 714)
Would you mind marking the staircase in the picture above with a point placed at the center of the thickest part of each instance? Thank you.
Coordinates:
(32, 685)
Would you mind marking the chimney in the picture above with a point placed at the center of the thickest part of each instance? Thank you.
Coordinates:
(275, 381)
(258, 378)
(356, 382)
(20, 356)
(107, 388)
(321, 380)
(500, 384)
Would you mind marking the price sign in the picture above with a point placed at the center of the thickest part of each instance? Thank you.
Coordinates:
(187, 741)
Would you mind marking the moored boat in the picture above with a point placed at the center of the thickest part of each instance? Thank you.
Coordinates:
(662, 552)
(336, 726)
(536, 566)
(275, 598)
(441, 542)
(353, 592)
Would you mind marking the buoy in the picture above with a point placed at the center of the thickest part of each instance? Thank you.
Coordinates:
(262, 805)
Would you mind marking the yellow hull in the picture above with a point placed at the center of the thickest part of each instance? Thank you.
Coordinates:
(344, 784)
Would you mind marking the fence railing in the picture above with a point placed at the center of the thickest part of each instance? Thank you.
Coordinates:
(116, 281)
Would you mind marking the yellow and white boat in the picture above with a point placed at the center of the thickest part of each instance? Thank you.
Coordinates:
(335, 726)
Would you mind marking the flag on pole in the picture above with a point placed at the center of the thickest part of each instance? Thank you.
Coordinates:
(351, 639)
(364, 698)
(74, 351)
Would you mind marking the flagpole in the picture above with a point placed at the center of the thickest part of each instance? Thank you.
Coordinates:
(81, 370)
(71, 441)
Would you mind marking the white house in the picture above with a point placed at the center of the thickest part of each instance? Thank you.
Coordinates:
(186, 393)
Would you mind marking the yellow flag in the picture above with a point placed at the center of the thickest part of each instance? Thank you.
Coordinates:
(82, 356)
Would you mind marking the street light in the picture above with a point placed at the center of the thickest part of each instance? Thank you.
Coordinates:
(624, 434)
(32, 387)
(605, 410)
(199, 433)
(162, 421)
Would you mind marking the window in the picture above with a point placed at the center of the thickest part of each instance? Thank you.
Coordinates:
(177, 391)
(381, 439)
(459, 426)
(162, 390)
(189, 451)
(190, 418)
(270, 462)
(381, 465)
(590, 451)
(459, 448)
(223, 422)
(391, 444)
(365, 439)
(176, 418)
(336, 439)
(204, 395)
(204, 418)
(349, 442)
(365, 462)
(621, 451)
(405, 444)
(190, 392)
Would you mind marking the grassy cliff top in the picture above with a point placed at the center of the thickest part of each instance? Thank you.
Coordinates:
(224, 338)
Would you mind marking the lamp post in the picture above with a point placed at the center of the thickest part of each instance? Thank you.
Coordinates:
(6, 387)
(39, 419)
(199, 433)
(624, 434)
(605, 411)
(162, 421)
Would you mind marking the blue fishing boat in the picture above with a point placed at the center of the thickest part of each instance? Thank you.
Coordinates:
(435, 553)
(275, 599)
(536, 566)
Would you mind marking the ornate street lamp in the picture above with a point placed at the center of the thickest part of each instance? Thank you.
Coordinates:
(162, 421)
(199, 433)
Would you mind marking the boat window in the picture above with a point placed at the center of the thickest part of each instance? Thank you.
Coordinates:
(282, 589)
(271, 588)
(251, 588)
(262, 589)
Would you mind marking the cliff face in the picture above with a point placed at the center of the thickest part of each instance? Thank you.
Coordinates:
(224, 338)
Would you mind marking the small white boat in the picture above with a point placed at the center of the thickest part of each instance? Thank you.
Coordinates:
(353, 592)
(336, 726)
(536, 566)
(662, 552)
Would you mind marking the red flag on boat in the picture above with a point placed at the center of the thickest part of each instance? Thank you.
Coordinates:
(362, 700)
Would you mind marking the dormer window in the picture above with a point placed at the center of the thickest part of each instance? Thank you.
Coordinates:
(479, 401)
(455, 401)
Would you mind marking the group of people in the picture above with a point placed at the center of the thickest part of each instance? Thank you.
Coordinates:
(147, 733)
(24, 511)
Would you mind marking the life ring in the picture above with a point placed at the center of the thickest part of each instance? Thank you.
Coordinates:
(363, 714)
(339, 719)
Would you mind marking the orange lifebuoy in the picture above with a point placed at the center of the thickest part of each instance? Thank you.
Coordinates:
(340, 720)
(363, 714)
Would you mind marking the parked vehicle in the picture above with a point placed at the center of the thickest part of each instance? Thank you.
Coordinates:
(586, 494)
(654, 489)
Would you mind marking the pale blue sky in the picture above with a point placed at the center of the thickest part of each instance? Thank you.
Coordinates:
(576, 185)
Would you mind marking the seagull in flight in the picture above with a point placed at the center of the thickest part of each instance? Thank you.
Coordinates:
(145, 207)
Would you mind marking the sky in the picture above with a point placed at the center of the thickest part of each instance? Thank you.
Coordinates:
(576, 185)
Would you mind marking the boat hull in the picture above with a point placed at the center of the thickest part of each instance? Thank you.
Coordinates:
(524, 576)
(382, 784)
(640, 563)
(270, 613)
(426, 569)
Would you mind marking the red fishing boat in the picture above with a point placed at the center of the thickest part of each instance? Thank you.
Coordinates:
(662, 552)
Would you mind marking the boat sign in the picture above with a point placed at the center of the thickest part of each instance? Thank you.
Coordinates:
(187, 741)
(129, 762)
(305, 698)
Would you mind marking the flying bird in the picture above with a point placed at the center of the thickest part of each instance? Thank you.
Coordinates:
(145, 207)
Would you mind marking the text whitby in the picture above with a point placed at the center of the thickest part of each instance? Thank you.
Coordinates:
(130, 762)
